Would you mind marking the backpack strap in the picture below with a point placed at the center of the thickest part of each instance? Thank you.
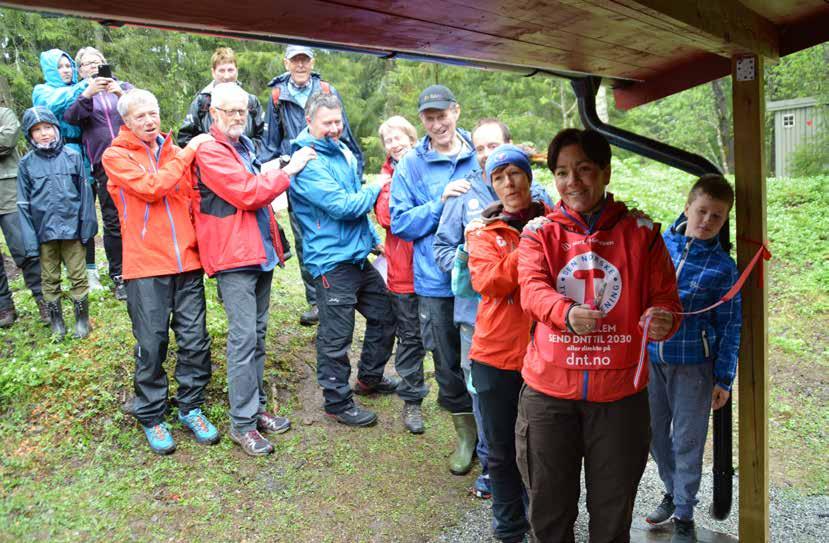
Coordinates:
(275, 95)
(325, 87)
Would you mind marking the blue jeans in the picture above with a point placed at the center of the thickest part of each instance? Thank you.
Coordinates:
(680, 404)
(481, 450)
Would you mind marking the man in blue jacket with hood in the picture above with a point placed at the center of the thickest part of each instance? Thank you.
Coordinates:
(332, 209)
(285, 119)
(430, 173)
(459, 211)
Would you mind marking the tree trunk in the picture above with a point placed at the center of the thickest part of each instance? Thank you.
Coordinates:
(724, 136)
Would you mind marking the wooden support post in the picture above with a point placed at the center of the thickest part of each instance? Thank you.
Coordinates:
(749, 166)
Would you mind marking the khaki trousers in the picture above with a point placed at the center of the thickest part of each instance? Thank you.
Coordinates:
(73, 254)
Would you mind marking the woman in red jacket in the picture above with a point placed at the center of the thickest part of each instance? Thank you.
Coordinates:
(502, 329)
(592, 277)
(398, 136)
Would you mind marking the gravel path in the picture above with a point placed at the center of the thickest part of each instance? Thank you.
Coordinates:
(794, 518)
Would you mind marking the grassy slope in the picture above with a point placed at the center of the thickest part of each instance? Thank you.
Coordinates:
(73, 467)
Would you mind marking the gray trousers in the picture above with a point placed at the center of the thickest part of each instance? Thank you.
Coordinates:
(441, 337)
(307, 278)
(246, 296)
(10, 224)
(156, 304)
(680, 401)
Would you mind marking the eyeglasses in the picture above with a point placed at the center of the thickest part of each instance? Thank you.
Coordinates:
(91, 63)
(233, 112)
(300, 59)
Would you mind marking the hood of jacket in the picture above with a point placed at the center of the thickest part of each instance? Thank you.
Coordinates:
(676, 234)
(425, 152)
(494, 212)
(325, 145)
(609, 215)
(49, 65)
(40, 114)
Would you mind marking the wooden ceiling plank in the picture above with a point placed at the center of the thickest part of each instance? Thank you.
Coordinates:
(563, 27)
(675, 78)
(728, 21)
(342, 25)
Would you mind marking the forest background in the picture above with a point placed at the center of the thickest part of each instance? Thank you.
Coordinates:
(176, 65)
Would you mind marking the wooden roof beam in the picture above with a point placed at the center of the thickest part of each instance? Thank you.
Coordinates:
(723, 27)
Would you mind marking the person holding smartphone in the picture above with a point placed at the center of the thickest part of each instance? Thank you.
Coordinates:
(95, 111)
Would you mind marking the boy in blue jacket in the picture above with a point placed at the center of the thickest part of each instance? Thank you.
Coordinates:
(692, 372)
(57, 215)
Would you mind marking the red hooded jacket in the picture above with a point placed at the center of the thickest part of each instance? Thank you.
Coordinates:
(225, 201)
(622, 266)
(398, 252)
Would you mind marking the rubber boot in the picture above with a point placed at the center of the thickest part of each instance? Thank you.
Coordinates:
(461, 460)
(56, 318)
(82, 327)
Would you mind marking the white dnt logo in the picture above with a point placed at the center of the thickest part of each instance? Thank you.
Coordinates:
(590, 278)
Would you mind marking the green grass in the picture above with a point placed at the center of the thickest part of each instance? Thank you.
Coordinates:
(74, 468)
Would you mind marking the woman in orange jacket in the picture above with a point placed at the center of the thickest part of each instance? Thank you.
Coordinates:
(502, 329)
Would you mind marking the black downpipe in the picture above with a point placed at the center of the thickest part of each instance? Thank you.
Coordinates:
(585, 89)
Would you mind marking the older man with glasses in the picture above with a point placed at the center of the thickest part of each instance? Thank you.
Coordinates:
(239, 245)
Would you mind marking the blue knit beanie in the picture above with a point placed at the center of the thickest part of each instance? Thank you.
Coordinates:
(507, 154)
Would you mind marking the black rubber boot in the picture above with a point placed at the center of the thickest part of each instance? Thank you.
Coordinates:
(56, 319)
(82, 326)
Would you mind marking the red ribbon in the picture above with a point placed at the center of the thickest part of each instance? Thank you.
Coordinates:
(763, 252)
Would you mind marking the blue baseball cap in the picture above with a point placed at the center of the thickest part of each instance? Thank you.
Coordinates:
(507, 154)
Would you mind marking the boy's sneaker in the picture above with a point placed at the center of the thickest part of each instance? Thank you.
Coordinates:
(272, 424)
(386, 385)
(683, 531)
(251, 442)
(205, 433)
(160, 438)
(482, 488)
(663, 511)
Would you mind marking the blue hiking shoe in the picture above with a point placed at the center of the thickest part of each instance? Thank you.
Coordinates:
(160, 438)
(205, 433)
(482, 488)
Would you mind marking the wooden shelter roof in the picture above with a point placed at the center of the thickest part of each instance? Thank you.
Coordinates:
(648, 48)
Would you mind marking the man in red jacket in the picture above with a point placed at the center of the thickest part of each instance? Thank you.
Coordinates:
(240, 245)
(148, 182)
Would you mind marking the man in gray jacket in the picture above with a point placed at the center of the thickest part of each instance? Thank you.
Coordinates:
(10, 222)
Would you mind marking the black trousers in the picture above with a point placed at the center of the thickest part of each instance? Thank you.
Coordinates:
(553, 436)
(90, 245)
(408, 360)
(156, 304)
(12, 232)
(442, 338)
(112, 225)
(340, 292)
(498, 392)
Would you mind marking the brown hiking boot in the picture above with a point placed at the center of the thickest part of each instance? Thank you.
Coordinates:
(7, 316)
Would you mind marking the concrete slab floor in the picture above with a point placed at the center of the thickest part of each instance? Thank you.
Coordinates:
(642, 532)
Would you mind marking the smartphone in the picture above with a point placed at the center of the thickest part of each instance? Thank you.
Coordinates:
(105, 70)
